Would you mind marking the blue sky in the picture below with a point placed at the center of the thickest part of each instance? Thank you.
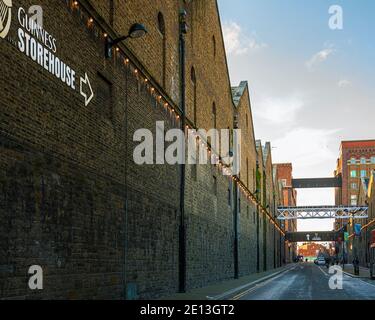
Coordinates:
(311, 87)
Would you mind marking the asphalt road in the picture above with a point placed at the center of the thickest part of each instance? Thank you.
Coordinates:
(307, 281)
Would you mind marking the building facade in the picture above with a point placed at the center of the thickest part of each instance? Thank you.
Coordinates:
(355, 165)
(356, 160)
(75, 202)
(312, 250)
(288, 198)
(359, 245)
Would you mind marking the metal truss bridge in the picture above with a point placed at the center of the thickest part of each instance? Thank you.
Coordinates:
(322, 212)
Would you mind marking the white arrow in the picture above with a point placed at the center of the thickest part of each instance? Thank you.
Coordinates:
(87, 82)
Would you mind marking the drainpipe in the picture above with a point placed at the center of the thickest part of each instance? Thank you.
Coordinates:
(126, 185)
(235, 226)
(235, 216)
(258, 193)
(182, 228)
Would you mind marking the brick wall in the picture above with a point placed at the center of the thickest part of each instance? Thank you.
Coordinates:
(74, 201)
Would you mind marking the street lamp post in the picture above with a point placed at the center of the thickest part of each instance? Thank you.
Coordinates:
(137, 30)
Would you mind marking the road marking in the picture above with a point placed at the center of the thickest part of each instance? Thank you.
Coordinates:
(323, 271)
(233, 291)
(371, 284)
(260, 285)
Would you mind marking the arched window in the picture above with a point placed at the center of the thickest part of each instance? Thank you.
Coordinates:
(247, 172)
(194, 83)
(214, 115)
(161, 23)
(214, 45)
(161, 27)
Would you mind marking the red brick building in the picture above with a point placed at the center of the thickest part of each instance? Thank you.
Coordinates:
(284, 176)
(356, 161)
(311, 249)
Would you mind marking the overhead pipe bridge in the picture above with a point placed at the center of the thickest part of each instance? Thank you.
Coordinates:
(322, 212)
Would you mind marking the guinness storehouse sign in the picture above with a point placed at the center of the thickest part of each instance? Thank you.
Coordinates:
(41, 47)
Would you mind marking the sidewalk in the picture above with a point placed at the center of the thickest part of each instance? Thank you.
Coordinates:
(363, 272)
(228, 288)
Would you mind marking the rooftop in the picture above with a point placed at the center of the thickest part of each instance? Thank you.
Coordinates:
(237, 92)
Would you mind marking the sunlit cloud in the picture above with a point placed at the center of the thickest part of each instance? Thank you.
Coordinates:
(239, 43)
(319, 57)
(305, 147)
(278, 110)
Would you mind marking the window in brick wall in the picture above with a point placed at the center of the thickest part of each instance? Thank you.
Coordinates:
(247, 173)
(111, 12)
(354, 186)
(373, 160)
(283, 182)
(214, 187)
(214, 115)
(353, 173)
(104, 97)
(194, 83)
(229, 197)
(363, 173)
(363, 160)
(214, 45)
(254, 217)
(161, 27)
(194, 172)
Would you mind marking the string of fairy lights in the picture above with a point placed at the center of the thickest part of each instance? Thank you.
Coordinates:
(173, 112)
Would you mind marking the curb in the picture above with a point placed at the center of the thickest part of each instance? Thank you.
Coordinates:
(248, 285)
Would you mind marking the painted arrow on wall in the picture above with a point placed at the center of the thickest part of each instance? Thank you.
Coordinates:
(86, 83)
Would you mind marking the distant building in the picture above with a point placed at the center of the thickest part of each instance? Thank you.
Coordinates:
(312, 249)
(355, 164)
(356, 161)
(359, 246)
(288, 198)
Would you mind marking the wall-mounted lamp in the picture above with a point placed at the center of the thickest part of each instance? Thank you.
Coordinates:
(137, 30)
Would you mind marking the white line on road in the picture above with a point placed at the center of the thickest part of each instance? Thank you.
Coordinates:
(260, 285)
(233, 291)
(326, 274)
(366, 282)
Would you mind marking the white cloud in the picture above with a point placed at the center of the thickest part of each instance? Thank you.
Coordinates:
(279, 110)
(306, 148)
(237, 42)
(344, 83)
(319, 57)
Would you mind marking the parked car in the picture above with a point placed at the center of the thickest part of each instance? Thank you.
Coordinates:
(321, 261)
